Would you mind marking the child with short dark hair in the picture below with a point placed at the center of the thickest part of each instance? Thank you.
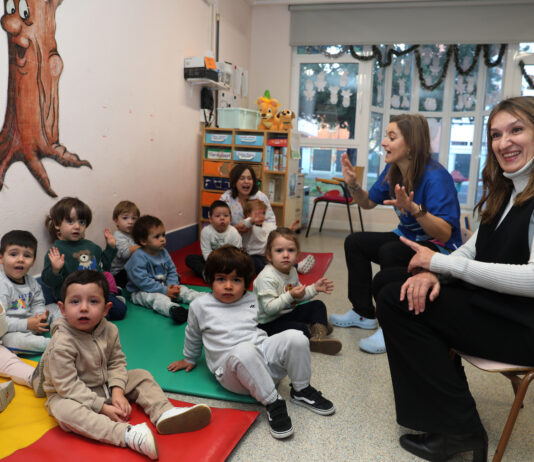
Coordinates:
(213, 236)
(152, 278)
(27, 316)
(242, 357)
(66, 224)
(254, 241)
(280, 295)
(125, 214)
(86, 382)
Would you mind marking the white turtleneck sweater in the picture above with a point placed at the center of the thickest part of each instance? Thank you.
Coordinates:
(500, 277)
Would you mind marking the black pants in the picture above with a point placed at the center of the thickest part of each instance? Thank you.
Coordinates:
(259, 262)
(361, 249)
(430, 388)
(306, 313)
(196, 263)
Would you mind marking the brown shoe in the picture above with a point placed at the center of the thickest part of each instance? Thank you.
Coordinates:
(320, 343)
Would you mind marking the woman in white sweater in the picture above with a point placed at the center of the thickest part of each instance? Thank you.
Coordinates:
(478, 300)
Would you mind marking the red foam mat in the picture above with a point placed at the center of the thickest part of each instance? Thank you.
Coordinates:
(213, 443)
(187, 276)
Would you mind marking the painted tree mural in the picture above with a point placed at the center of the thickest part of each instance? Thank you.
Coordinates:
(30, 132)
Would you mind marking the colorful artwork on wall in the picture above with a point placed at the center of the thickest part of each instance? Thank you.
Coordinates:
(31, 126)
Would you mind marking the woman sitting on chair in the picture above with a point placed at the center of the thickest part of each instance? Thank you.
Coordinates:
(424, 197)
(486, 311)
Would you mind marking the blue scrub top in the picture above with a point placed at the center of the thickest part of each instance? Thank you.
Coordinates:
(436, 192)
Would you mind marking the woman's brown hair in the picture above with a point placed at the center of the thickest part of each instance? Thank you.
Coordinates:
(236, 173)
(284, 232)
(496, 187)
(414, 130)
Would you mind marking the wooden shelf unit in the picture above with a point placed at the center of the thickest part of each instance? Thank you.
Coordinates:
(218, 155)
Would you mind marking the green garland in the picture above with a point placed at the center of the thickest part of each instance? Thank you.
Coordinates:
(526, 75)
(452, 50)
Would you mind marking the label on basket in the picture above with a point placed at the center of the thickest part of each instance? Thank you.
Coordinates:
(218, 138)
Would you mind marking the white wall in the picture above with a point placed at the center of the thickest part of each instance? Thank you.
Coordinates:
(126, 108)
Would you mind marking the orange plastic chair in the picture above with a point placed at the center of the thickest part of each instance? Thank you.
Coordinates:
(520, 376)
(337, 197)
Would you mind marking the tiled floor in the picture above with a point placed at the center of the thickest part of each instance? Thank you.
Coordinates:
(364, 426)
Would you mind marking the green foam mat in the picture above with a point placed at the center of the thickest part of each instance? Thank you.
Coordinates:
(151, 341)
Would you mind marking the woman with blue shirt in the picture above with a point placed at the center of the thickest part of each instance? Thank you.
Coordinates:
(424, 197)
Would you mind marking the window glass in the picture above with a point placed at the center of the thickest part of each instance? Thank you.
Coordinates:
(332, 49)
(375, 148)
(493, 80)
(525, 90)
(323, 162)
(465, 87)
(327, 100)
(460, 150)
(434, 126)
(401, 86)
(526, 47)
(433, 58)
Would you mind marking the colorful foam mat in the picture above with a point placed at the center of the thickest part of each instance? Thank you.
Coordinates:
(213, 443)
(187, 276)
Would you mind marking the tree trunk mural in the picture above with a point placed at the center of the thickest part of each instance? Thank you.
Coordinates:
(30, 132)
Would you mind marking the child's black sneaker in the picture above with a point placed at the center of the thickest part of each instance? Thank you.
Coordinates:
(279, 420)
(178, 314)
(312, 399)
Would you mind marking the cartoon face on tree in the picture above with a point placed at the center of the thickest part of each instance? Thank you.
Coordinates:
(30, 132)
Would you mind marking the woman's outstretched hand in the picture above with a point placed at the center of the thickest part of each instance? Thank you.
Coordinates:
(416, 288)
(421, 259)
(349, 175)
(402, 200)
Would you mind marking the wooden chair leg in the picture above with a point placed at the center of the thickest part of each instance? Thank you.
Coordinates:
(518, 401)
(324, 215)
(311, 219)
(350, 219)
(361, 219)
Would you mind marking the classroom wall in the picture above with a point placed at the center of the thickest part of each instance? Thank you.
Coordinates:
(125, 107)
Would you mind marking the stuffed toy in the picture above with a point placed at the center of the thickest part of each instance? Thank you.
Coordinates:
(285, 120)
(267, 107)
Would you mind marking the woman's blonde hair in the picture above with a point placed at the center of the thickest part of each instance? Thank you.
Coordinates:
(495, 187)
(414, 130)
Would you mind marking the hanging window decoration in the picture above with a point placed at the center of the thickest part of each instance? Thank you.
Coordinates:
(464, 64)
(526, 75)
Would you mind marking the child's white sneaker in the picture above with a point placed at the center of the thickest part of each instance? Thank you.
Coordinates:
(184, 419)
(7, 392)
(141, 439)
(306, 264)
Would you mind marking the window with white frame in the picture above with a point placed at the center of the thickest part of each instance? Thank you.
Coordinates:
(345, 104)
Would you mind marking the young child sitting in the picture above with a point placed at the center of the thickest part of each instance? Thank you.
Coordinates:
(241, 356)
(152, 278)
(87, 385)
(254, 241)
(66, 224)
(125, 214)
(213, 236)
(27, 316)
(279, 290)
(11, 366)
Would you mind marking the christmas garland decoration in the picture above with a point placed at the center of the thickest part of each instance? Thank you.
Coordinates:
(527, 77)
(451, 50)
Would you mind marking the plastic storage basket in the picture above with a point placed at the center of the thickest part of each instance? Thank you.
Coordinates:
(236, 117)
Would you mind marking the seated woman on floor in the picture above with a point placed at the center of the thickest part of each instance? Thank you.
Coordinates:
(424, 197)
(487, 310)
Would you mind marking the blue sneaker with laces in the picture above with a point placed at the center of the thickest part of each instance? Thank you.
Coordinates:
(353, 319)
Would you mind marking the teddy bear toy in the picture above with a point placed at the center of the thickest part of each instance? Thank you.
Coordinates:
(267, 107)
(285, 120)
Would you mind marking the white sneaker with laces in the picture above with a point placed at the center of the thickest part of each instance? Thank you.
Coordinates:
(306, 264)
(141, 439)
(183, 419)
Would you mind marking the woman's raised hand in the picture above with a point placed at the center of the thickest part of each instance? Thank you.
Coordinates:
(421, 259)
(349, 175)
(402, 200)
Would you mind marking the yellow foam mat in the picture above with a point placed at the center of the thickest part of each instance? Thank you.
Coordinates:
(24, 421)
